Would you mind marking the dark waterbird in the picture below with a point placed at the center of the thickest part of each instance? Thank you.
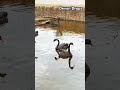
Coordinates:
(3, 14)
(3, 17)
(64, 54)
(61, 46)
(36, 33)
(88, 41)
(3, 75)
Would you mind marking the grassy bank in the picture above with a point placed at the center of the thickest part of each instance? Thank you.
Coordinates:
(53, 11)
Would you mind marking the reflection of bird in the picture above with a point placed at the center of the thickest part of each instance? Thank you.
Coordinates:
(88, 41)
(65, 54)
(60, 46)
(55, 24)
(87, 71)
(3, 75)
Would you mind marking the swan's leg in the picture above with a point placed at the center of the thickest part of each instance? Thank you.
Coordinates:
(58, 52)
(69, 61)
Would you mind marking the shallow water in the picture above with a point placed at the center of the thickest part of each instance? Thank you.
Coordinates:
(56, 75)
(16, 55)
(103, 57)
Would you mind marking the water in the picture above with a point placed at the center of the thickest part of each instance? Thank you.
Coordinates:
(17, 51)
(103, 57)
(56, 75)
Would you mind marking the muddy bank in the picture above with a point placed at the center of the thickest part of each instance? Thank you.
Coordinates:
(55, 12)
(69, 26)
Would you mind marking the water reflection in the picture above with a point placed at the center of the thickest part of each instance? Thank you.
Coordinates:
(48, 71)
(68, 26)
(104, 33)
(18, 63)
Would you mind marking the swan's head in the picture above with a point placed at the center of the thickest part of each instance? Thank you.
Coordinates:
(71, 43)
(55, 40)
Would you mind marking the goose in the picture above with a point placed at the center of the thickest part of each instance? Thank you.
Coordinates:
(3, 75)
(87, 71)
(64, 54)
(60, 46)
(88, 41)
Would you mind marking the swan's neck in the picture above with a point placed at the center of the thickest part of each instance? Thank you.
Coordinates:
(69, 48)
(58, 43)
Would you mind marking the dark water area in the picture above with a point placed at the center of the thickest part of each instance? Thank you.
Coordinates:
(103, 28)
(103, 7)
(17, 50)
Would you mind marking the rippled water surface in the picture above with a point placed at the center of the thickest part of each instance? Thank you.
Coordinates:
(16, 57)
(103, 57)
(56, 75)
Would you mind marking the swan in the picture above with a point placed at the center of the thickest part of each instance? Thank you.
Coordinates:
(88, 41)
(61, 46)
(87, 71)
(64, 54)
